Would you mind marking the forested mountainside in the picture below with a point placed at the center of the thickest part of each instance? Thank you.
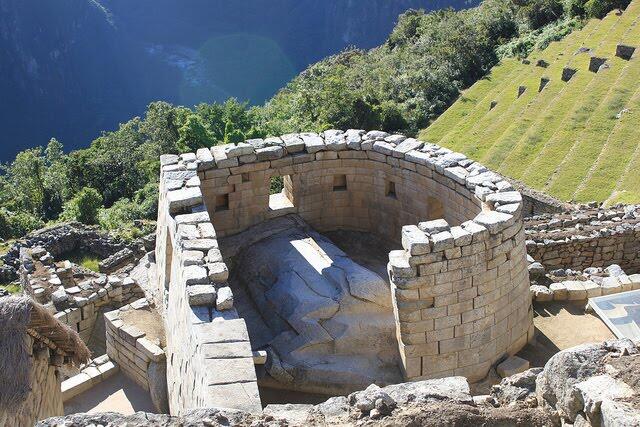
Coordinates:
(399, 86)
(72, 68)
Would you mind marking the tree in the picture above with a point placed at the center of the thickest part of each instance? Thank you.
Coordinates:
(193, 135)
(25, 181)
(84, 206)
(232, 135)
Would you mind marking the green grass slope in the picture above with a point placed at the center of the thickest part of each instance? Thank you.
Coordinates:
(576, 140)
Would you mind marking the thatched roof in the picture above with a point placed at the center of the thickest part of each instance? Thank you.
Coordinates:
(21, 316)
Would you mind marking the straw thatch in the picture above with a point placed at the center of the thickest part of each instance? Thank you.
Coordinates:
(19, 317)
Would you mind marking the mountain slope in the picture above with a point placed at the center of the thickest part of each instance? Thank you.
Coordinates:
(571, 139)
(72, 68)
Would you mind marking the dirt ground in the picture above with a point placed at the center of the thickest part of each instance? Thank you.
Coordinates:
(116, 394)
(148, 321)
(560, 326)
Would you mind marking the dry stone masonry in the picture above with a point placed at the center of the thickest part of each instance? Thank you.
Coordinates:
(586, 237)
(139, 355)
(459, 286)
(75, 296)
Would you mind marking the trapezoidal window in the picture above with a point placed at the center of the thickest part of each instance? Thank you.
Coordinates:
(222, 202)
(390, 189)
(280, 190)
(339, 183)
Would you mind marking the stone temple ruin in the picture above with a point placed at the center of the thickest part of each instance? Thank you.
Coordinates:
(243, 272)
(392, 274)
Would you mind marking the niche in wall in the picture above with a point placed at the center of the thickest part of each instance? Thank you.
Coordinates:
(339, 183)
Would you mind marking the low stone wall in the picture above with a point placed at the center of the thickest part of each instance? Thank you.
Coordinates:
(98, 370)
(68, 237)
(45, 398)
(117, 261)
(537, 203)
(139, 358)
(586, 238)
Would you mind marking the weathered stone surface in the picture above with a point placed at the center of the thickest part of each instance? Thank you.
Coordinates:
(184, 198)
(516, 387)
(320, 306)
(555, 385)
(595, 389)
(195, 275)
(224, 300)
(270, 153)
(201, 295)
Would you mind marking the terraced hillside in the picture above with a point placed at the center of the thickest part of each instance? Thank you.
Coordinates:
(577, 137)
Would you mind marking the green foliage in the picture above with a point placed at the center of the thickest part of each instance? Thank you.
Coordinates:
(401, 85)
(193, 135)
(17, 224)
(574, 8)
(88, 261)
(538, 13)
(12, 288)
(233, 135)
(521, 47)
(599, 8)
(276, 185)
(84, 206)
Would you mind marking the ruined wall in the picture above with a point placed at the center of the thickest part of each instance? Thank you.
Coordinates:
(586, 238)
(44, 399)
(77, 305)
(461, 293)
(537, 203)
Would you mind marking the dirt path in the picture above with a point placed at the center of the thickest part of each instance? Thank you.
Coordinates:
(116, 394)
(560, 326)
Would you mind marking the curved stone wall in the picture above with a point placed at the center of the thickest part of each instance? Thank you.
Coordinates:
(460, 286)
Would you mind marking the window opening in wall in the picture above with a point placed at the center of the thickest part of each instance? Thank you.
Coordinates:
(276, 185)
(222, 202)
(390, 190)
(245, 177)
(339, 183)
(280, 188)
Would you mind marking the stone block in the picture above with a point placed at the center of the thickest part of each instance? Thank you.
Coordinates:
(511, 366)
(195, 275)
(559, 291)
(575, 290)
(218, 272)
(442, 240)
(224, 299)
(415, 240)
(435, 226)
(201, 295)
(313, 142)
(494, 221)
(179, 200)
(243, 396)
